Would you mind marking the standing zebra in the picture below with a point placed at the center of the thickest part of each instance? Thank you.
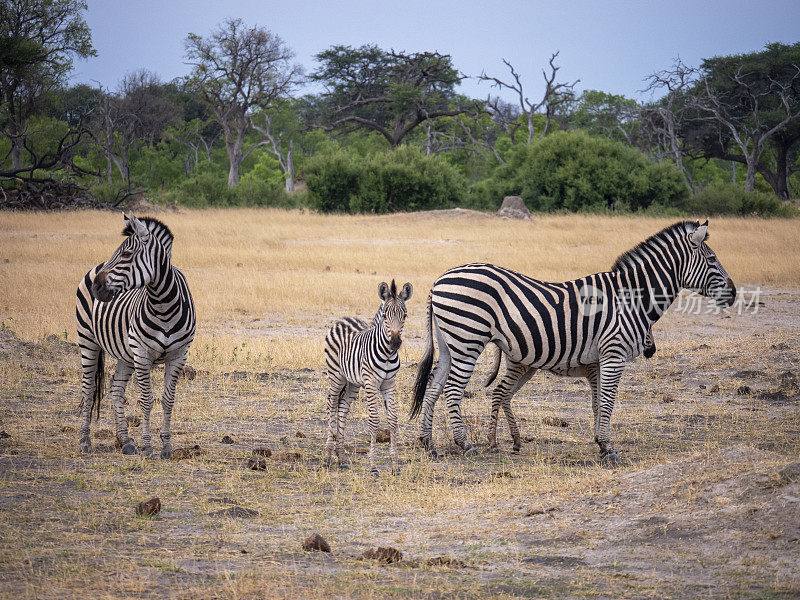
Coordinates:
(137, 307)
(588, 327)
(358, 354)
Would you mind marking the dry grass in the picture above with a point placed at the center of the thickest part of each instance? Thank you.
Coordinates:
(700, 511)
(300, 271)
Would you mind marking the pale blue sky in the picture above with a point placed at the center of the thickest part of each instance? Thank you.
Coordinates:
(611, 45)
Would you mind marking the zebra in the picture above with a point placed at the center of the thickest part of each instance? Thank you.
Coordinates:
(588, 327)
(358, 354)
(136, 307)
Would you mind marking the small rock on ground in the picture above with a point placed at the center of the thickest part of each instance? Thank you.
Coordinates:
(316, 543)
(256, 463)
(149, 507)
(262, 451)
(555, 422)
(226, 439)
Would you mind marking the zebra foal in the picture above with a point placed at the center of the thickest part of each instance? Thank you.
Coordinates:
(588, 327)
(365, 355)
(136, 307)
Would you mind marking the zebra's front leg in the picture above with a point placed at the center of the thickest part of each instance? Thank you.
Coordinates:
(610, 371)
(142, 367)
(372, 390)
(172, 371)
(387, 390)
(119, 382)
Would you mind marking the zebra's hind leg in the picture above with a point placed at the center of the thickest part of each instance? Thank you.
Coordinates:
(432, 393)
(119, 382)
(387, 390)
(336, 390)
(91, 382)
(515, 377)
(457, 379)
(172, 371)
(349, 394)
(143, 367)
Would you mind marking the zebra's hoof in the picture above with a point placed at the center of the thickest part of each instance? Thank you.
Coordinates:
(166, 453)
(516, 449)
(494, 449)
(470, 451)
(86, 447)
(129, 448)
(374, 473)
(610, 458)
(147, 451)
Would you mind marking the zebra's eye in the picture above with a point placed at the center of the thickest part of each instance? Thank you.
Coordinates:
(126, 254)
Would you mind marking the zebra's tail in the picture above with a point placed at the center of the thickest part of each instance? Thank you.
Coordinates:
(99, 384)
(495, 368)
(425, 364)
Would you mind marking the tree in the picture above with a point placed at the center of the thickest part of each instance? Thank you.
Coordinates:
(141, 110)
(556, 94)
(279, 127)
(240, 70)
(388, 92)
(605, 114)
(38, 41)
(746, 109)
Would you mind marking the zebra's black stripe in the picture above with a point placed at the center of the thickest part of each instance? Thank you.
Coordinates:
(581, 328)
(136, 307)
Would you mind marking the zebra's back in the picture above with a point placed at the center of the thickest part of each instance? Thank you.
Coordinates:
(537, 323)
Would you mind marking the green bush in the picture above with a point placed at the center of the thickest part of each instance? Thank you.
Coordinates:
(397, 180)
(209, 188)
(727, 199)
(575, 171)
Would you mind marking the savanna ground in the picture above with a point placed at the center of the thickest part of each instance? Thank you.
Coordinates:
(707, 504)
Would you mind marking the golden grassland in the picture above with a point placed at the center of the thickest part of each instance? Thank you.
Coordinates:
(284, 276)
(700, 510)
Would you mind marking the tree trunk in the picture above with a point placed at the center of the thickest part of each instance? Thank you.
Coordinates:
(16, 153)
(290, 168)
(750, 179)
(234, 158)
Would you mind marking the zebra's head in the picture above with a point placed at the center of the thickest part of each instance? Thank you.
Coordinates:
(702, 271)
(393, 311)
(133, 264)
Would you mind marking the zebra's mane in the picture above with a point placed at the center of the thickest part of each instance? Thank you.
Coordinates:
(640, 249)
(157, 228)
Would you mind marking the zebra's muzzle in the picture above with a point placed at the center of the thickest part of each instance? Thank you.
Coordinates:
(100, 290)
(395, 342)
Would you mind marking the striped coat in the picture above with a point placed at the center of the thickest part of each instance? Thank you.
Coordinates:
(136, 307)
(588, 327)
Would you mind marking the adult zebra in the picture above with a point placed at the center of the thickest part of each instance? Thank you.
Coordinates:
(137, 307)
(588, 327)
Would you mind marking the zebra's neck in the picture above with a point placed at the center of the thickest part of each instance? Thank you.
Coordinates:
(163, 294)
(379, 336)
(647, 282)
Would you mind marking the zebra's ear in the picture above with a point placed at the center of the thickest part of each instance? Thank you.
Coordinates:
(700, 234)
(383, 290)
(406, 292)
